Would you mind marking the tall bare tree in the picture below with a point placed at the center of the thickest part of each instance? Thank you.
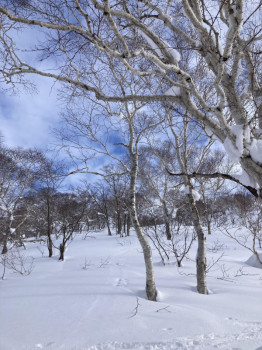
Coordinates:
(49, 183)
(70, 211)
(19, 170)
(114, 134)
(191, 147)
(158, 185)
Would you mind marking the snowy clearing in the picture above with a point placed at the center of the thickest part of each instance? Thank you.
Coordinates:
(95, 299)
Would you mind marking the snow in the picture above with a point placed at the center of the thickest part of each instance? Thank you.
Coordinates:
(186, 190)
(89, 301)
(196, 195)
(245, 179)
(12, 230)
(152, 44)
(173, 91)
(174, 53)
(235, 151)
(237, 130)
(208, 131)
(255, 150)
(253, 261)
(231, 150)
(242, 135)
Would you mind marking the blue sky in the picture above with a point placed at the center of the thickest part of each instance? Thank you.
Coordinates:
(26, 119)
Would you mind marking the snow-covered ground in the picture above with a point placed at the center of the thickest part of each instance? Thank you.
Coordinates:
(95, 300)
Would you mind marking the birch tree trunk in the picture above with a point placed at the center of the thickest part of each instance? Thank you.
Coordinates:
(151, 290)
(184, 148)
(201, 241)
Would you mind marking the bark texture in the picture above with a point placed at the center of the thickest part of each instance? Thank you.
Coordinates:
(151, 290)
(201, 249)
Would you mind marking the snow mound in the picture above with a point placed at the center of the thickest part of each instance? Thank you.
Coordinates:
(253, 261)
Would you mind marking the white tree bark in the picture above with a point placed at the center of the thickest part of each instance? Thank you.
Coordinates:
(151, 290)
(201, 241)
(185, 141)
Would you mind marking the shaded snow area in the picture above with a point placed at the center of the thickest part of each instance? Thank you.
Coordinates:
(95, 300)
(255, 261)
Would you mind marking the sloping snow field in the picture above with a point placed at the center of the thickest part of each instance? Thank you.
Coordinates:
(95, 300)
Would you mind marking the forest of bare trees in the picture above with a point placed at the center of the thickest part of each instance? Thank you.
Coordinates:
(166, 95)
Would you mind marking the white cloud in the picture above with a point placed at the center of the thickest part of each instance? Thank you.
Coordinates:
(26, 119)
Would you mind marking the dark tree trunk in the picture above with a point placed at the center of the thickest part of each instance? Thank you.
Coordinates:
(4, 250)
(49, 231)
(50, 247)
(108, 227)
(107, 222)
(168, 232)
(62, 251)
(124, 225)
(167, 223)
(119, 224)
(209, 227)
(128, 224)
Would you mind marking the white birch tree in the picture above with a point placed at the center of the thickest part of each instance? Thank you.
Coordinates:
(112, 135)
(191, 147)
(157, 184)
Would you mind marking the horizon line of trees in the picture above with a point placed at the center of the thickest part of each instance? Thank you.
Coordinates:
(34, 204)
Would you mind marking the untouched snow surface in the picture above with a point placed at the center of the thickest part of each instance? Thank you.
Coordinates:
(95, 300)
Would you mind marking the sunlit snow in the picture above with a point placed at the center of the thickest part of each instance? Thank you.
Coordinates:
(95, 299)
